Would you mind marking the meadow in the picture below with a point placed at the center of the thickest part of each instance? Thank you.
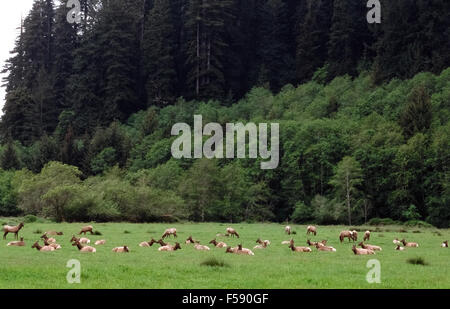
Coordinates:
(272, 268)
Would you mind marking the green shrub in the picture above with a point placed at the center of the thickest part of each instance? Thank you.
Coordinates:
(382, 221)
(30, 219)
(417, 223)
(417, 261)
(214, 262)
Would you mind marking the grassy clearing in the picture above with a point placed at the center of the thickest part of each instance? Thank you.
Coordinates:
(274, 267)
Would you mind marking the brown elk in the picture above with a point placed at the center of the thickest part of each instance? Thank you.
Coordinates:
(346, 234)
(189, 240)
(325, 248)
(370, 247)
(201, 247)
(12, 229)
(147, 243)
(49, 240)
(287, 230)
(100, 242)
(409, 244)
(313, 243)
(53, 233)
(170, 248)
(121, 249)
(42, 249)
(168, 232)
(311, 229)
(366, 236)
(444, 244)
(245, 251)
(84, 248)
(54, 245)
(232, 232)
(400, 248)
(81, 240)
(265, 242)
(359, 251)
(298, 249)
(86, 229)
(219, 244)
(20, 243)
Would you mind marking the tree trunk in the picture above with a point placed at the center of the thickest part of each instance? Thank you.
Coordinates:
(347, 182)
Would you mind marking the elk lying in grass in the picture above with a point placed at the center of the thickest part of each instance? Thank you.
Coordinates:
(170, 247)
(100, 242)
(400, 248)
(84, 248)
(168, 232)
(324, 248)
(409, 244)
(314, 243)
(53, 233)
(42, 249)
(370, 247)
(232, 232)
(20, 243)
(366, 236)
(82, 240)
(239, 250)
(286, 242)
(201, 247)
(86, 229)
(287, 230)
(359, 251)
(298, 249)
(147, 243)
(311, 230)
(12, 229)
(121, 249)
(49, 240)
(189, 240)
(396, 241)
(264, 243)
(444, 244)
(54, 245)
(346, 234)
(219, 244)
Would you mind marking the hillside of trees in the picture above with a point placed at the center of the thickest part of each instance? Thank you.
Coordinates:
(363, 111)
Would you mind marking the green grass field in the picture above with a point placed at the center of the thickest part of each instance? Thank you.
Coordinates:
(274, 267)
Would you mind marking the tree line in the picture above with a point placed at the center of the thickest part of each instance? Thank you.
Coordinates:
(363, 110)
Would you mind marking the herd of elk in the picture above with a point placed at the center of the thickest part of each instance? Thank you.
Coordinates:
(81, 243)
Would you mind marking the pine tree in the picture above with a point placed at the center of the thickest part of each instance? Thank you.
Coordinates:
(9, 159)
(417, 115)
(159, 54)
(313, 38)
(207, 47)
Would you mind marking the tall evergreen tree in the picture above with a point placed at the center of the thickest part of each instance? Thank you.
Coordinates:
(160, 46)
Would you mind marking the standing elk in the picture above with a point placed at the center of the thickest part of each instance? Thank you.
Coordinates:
(12, 229)
(86, 229)
(311, 229)
(366, 236)
(168, 232)
(287, 230)
(346, 234)
(232, 232)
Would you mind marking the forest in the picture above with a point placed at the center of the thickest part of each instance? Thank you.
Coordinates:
(363, 111)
